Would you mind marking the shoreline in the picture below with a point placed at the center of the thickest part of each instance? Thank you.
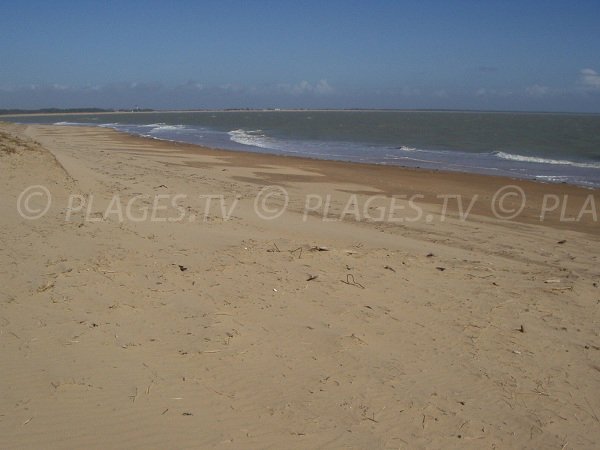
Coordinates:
(362, 163)
(485, 157)
(392, 180)
(558, 205)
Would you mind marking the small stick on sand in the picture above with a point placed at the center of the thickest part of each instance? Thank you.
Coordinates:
(134, 396)
(350, 281)
(295, 250)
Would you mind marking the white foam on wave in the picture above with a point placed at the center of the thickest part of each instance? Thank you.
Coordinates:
(402, 148)
(255, 138)
(163, 127)
(538, 160)
(71, 123)
(553, 178)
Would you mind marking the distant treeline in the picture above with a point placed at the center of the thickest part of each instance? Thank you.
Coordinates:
(67, 111)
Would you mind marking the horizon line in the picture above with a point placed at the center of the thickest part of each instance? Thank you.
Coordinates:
(95, 110)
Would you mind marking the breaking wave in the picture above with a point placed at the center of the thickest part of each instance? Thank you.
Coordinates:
(255, 138)
(538, 160)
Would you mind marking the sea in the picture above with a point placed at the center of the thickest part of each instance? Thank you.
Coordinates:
(547, 147)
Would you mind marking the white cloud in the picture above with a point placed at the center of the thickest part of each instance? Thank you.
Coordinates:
(301, 88)
(322, 87)
(590, 78)
(537, 90)
(483, 92)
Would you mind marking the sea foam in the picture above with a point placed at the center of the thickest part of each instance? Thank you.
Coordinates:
(255, 138)
(538, 160)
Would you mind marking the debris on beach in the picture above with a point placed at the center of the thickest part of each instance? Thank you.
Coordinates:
(48, 285)
(351, 282)
(274, 249)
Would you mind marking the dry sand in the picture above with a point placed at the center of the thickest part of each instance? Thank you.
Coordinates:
(205, 331)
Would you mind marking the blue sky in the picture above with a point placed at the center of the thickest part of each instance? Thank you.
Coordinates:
(507, 55)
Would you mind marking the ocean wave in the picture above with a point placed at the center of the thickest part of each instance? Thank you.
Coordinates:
(404, 148)
(538, 160)
(553, 178)
(73, 123)
(254, 138)
(157, 128)
(410, 158)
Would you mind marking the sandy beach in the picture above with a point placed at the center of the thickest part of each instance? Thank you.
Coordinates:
(164, 295)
